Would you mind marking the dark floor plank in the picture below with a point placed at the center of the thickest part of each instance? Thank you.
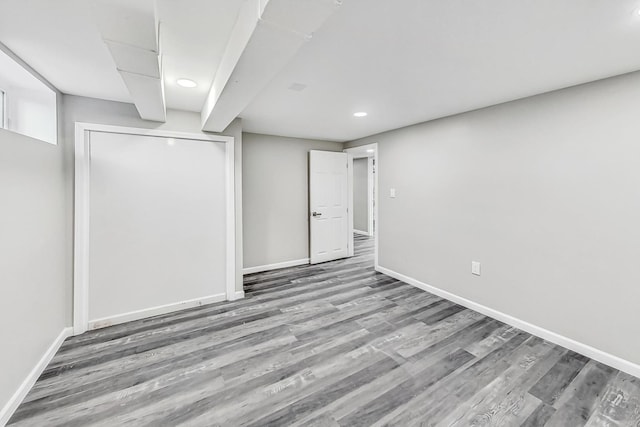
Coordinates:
(455, 389)
(540, 416)
(581, 398)
(506, 401)
(552, 385)
(321, 398)
(379, 407)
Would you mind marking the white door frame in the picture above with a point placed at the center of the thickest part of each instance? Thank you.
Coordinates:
(82, 214)
(370, 195)
(4, 117)
(373, 192)
(350, 240)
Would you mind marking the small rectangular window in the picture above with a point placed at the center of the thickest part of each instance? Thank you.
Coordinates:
(27, 105)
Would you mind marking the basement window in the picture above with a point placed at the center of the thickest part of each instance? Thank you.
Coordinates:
(27, 105)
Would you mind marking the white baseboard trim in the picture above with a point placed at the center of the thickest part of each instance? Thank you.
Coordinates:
(7, 411)
(269, 267)
(154, 311)
(238, 295)
(364, 233)
(584, 349)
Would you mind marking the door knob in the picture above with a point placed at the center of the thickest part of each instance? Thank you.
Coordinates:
(316, 214)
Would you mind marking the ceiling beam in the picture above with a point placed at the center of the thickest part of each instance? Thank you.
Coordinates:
(267, 34)
(130, 29)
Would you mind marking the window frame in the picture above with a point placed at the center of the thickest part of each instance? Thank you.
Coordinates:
(3, 109)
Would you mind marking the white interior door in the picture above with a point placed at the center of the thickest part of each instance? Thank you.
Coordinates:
(157, 224)
(330, 234)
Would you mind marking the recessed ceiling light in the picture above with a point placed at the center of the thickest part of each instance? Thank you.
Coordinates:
(298, 87)
(186, 83)
(360, 114)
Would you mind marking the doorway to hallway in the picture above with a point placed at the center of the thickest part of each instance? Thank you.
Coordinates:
(364, 192)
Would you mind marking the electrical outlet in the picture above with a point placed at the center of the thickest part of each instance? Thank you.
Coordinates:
(392, 193)
(475, 268)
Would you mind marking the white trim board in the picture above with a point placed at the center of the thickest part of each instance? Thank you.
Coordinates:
(82, 214)
(155, 311)
(30, 380)
(350, 241)
(364, 233)
(230, 193)
(584, 349)
(371, 192)
(269, 267)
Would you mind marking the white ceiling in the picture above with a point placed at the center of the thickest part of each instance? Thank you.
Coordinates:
(402, 61)
(408, 61)
(14, 76)
(60, 39)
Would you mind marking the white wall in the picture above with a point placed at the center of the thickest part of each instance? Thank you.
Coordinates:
(33, 258)
(158, 223)
(544, 192)
(276, 197)
(81, 109)
(361, 194)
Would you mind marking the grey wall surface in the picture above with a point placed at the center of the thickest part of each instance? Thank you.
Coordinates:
(276, 197)
(361, 194)
(80, 109)
(33, 241)
(544, 192)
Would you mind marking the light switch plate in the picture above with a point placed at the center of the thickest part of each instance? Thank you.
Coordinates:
(475, 268)
(392, 193)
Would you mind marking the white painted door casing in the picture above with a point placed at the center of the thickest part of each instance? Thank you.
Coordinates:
(167, 175)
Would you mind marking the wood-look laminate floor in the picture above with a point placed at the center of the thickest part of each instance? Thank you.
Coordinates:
(335, 344)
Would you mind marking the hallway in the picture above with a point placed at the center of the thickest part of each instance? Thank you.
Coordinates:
(326, 345)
